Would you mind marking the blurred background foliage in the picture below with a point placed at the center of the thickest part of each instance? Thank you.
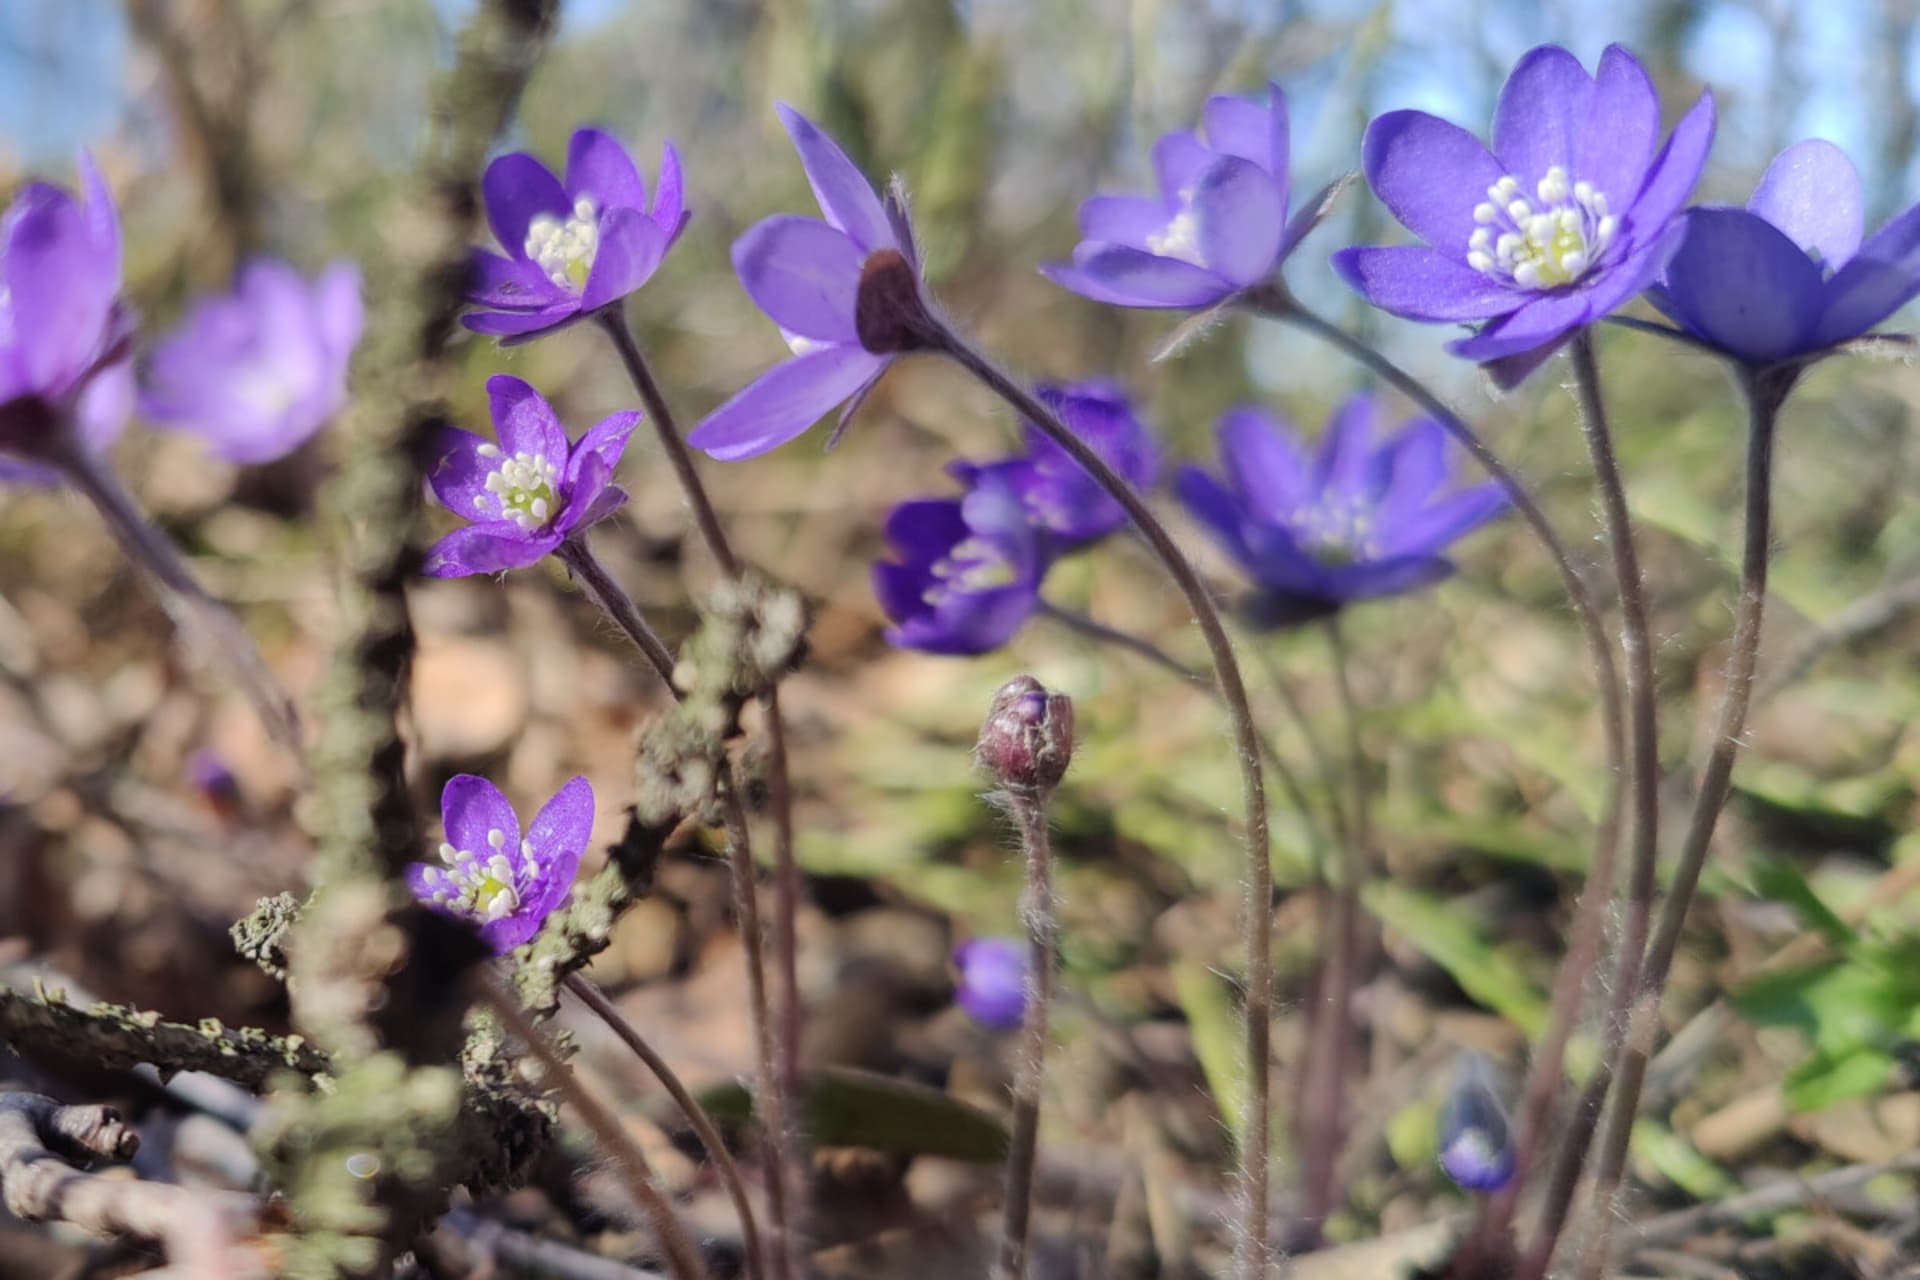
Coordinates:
(237, 126)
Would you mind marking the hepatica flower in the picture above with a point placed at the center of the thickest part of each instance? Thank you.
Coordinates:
(1218, 224)
(1069, 506)
(1476, 1150)
(1562, 221)
(967, 572)
(993, 981)
(1788, 276)
(64, 332)
(528, 492)
(807, 275)
(491, 875)
(258, 371)
(572, 247)
(1356, 521)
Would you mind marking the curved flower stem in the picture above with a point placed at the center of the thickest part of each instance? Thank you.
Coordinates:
(1589, 925)
(614, 601)
(1254, 1241)
(625, 1153)
(1764, 393)
(782, 1068)
(1139, 646)
(1037, 912)
(181, 595)
(723, 1163)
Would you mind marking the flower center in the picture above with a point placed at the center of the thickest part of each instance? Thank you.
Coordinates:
(970, 565)
(481, 888)
(1180, 238)
(1543, 244)
(565, 248)
(1336, 532)
(523, 485)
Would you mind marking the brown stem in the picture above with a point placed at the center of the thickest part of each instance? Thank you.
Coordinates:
(600, 587)
(1037, 911)
(696, 1115)
(1254, 1240)
(625, 1153)
(786, 896)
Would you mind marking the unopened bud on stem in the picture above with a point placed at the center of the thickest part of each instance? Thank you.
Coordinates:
(1026, 741)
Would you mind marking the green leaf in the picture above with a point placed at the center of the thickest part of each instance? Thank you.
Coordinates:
(1206, 999)
(1680, 1162)
(1436, 928)
(1825, 1079)
(842, 1107)
(1781, 882)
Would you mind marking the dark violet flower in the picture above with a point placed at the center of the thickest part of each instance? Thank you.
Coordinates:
(530, 492)
(64, 332)
(1788, 275)
(993, 981)
(1067, 504)
(1562, 221)
(493, 877)
(968, 572)
(573, 247)
(1356, 521)
(1475, 1147)
(1218, 224)
(258, 371)
(807, 275)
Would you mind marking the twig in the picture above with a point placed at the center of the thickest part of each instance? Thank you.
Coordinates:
(1875, 611)
(1775, 1197)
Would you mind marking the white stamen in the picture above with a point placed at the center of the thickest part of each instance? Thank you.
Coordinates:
(1544, 243)
(565, 250)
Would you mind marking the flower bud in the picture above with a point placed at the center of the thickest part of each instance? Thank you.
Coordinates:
(993, 981)
(1027, 739)
(1476, 1149)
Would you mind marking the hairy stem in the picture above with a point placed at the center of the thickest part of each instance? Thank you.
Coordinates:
(1254, 1241)
(1037, 912)
(1139, 646)
(625, 1153)
(600, 587)
(696, 1115)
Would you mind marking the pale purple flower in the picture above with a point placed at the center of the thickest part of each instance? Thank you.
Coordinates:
(1476, 1149)
(1218, 224)
(258, 371)
(1069, 506)
(1356, 521)
(492, 876)
(530, 491)
(1563, 220)
(572, 248)
(1788, 275)
(806, 275)
(993, 981)
(967, 574)
(64, 331)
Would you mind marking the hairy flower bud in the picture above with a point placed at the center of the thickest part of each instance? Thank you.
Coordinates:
(1027, 738)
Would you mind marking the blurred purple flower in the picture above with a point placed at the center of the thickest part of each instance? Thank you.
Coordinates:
(489, 874)
(64, 331)
(572, 248)
(807, 275)
(530, 492)
(1068, 505)
(1788, 275)
(1476, 1150)
(1218, 224)
(1354, 522)
(1565, 219)
(993, 981)
(258, 371)
(968, 572)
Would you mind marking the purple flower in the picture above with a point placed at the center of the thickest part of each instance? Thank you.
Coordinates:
(806, 274)
(1565, 219)
(968, 572)
(64, 332)
(572, 248)
(1067, 504)
(1475, 1148)
(1354, 522)
(530, 492)
(257, 371)
(493, 877)
(1788, 275)
(993, 981)
(1218, 225)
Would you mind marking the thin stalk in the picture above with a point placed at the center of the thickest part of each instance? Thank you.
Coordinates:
(1590, 917)
(1139, 646)
(783, 1068)
(613, 600)
(1764, 395)
(1037, 912)
(625, 1153)
(180, 594)
(1254, 1241)
(723, 1163)
(1316, 749)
